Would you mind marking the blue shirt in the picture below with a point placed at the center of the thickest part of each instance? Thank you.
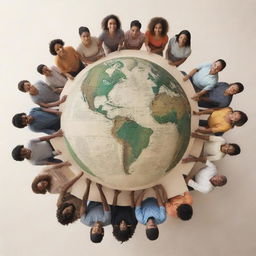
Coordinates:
(202, 79)
(44, 121)
(149, 208)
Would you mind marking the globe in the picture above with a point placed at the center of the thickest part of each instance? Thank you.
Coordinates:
(126, 122)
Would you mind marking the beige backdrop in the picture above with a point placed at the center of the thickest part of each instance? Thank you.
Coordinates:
(224, 220)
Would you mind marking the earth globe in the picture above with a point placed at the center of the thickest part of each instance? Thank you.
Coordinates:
(127, 120)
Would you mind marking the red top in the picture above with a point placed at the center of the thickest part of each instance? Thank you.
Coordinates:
(156, 43)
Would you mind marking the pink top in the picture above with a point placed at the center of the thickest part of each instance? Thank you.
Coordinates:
(133, 43)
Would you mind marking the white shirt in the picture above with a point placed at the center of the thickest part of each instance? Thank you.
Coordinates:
(202, 179)
(212, 148)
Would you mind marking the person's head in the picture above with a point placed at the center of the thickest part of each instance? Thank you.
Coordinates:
(56, 47)
(217, 66)
(235, 88)
(85, 35)
(184, 211)
(158, 26)
(230, 149)
(152, 231)
(43, 70)
(135, 27)
(97, 232)
(238, 118)
(218, 180)
(24, 85)
(21, 120)
(66, 213)
(184, 38)
(41, 184)
(19, 153)
(123, 232)
(111, 23)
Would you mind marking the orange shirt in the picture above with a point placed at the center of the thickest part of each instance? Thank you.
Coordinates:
(174, 202)
(217, 121)
(70, 62)
(153, 43)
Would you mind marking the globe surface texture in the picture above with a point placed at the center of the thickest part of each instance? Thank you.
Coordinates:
(126, 121)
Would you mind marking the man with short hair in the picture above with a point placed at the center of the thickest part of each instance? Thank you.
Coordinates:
(53, 77)
(96, 215)
(41, 94)
(150, 212)
(39, 151)
(205, 77)
(38, 120)
(215, 148)
(221, 95)
(206, 179)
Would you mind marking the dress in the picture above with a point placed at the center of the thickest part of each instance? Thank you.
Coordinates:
(212, 148)
(217, 122)
(91, 53)
(44, 121)
(56, 79)
(216, 97)
(174, 202)
(111, 42)
(176, 53)
(156, 44)
(202, 179)
(202, 79)
(131, 43)
(45, 93)
(149, 208)
(95, 212)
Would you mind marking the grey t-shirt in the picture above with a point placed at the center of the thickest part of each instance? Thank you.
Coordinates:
(95, 212)
(217, 97)
(111, 42)
(45, 93)
(56, 79)
(40, 151)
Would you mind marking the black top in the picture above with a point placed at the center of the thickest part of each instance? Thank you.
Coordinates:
(126, 213)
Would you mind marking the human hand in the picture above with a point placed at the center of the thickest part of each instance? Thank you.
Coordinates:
(196, 113)
(194, 135)
(88, 181)
(69, 77)
(67, 163)
(59, 133)
(117, 192)
(186, 77)
(63, 99)
(196, 97)
(99, 186)
(58, 90)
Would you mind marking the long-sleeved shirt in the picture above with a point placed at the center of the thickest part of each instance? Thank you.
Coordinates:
(212, 148)
(202, 179)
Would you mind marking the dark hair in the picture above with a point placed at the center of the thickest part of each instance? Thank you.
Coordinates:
(240, 86)
(39, 178)
(187, 34)
(17, 120)
(16, 153)
(223, 181)
(242, 120)
(135, 23)
(65, 219)
(223, 63)
(237, 149)
(40, 68)
(185, 211)
(104, 23)
(155, 21)
(96, 238)
(21, 85)
(81, 30)
(122, 235)
(152, 233)
(52, 44)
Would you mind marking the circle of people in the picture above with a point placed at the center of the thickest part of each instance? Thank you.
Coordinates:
(210, 94)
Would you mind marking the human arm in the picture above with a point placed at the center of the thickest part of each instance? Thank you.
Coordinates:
(163, 193)
(204, 112)
(192, 158)
(199, 136)
(68, 76)
(83, 207)
(60, 165)
(59, 133)
(177, 63)
(116, 194)
(53, 104)
(197, 95)
(146, 42)
(53, 111)
(103, 198)
(140, 198)
(190, 74)
(198, 187)
(158, 196)
(132, 199)
(205, 130)
(67, 186)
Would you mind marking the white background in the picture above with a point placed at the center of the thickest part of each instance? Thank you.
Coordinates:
(223, 221)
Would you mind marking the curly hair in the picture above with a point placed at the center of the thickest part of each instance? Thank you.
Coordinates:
(123, 235)
(158, 20)
(21, 85)
(52, 44)
(184, 211)
(187, 34)
(104, 23)
(39, 178)
(65, 219)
